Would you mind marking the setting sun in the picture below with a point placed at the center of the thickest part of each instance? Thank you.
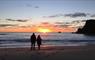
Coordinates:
(44, 30)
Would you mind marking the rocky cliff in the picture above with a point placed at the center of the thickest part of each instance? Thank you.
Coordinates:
(89, 27)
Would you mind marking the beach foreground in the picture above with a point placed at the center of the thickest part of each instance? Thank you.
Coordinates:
(49, 53)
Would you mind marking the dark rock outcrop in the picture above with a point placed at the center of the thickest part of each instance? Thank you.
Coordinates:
(89, 27)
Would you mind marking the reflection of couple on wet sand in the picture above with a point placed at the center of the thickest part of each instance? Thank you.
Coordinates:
(34, 40)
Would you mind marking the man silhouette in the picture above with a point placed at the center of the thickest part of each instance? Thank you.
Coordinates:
(33, 41)
(39, 41)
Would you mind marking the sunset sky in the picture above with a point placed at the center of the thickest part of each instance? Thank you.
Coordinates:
(47, 15)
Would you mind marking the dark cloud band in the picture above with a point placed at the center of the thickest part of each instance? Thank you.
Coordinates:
(17, 20)
(93, 15)
(74, 15)
(7, 25)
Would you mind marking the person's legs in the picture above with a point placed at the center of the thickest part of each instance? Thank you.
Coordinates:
(38, 47)
(31, 46)
(34, 46)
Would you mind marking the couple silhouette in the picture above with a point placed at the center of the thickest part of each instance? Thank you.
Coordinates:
(34, 40)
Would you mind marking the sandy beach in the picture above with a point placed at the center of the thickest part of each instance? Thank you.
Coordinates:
(49, 53)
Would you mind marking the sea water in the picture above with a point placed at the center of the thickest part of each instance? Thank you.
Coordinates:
(17, 40)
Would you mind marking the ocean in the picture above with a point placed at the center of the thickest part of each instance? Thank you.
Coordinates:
(18, 40)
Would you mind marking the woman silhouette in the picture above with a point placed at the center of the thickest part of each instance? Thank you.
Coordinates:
(39, 41)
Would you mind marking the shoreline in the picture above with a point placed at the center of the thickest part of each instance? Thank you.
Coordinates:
(43, 46)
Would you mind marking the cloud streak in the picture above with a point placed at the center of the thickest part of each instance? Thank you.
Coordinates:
(30, 5)
(77, 14)
(93, 15)
(53, 16)
(59, 22)
(8, 25)
(72, 15)
(19, 20)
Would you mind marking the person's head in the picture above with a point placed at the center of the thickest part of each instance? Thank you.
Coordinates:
(38, 36)
(33, 34)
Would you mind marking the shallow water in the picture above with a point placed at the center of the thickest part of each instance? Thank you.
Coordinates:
(9, 40)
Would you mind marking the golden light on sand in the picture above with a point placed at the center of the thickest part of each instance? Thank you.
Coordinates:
(44, 30)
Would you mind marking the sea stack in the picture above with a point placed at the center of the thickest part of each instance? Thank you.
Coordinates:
(89, 27)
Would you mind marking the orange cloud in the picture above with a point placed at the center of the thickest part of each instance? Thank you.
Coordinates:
(36, 29)
(43, 27)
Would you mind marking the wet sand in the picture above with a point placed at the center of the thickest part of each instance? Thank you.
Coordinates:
(49, 53)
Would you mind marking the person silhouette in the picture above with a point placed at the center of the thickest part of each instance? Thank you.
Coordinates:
(33, 41)
(39, 41)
